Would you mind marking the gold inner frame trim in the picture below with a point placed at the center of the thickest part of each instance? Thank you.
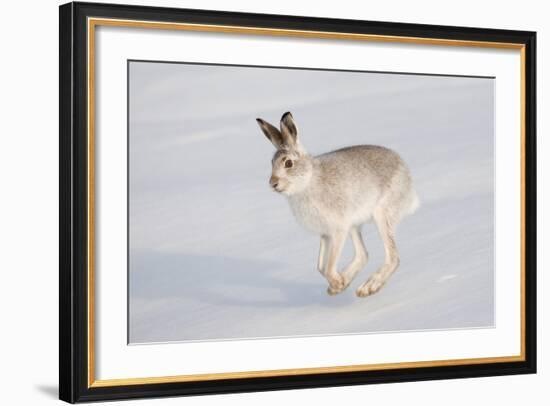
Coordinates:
(93, 22)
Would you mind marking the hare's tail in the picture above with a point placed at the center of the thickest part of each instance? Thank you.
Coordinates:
(414, 202)
(408, 205)
(400, 202)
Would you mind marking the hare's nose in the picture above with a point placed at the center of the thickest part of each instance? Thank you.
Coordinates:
(273, 181)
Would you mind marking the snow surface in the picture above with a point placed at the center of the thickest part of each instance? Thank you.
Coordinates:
(215, 254)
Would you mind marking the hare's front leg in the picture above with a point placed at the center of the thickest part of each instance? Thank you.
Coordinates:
(322, 254)
(335, 244)
(391, 262)
(358, 262)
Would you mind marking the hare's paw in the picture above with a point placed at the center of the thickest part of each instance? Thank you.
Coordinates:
(336, 284)
(372, 285)
(334, 291)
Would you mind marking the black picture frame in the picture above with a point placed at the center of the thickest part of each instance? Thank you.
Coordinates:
(73, 197)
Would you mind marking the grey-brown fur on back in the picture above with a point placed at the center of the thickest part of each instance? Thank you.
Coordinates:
(381, 160)
(358, 161)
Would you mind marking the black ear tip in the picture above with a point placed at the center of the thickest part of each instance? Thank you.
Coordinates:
(259, 120)
(287, 114)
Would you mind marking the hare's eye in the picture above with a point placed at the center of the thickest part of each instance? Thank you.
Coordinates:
(288, 163)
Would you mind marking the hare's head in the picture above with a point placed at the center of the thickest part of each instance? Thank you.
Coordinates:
(291, 165)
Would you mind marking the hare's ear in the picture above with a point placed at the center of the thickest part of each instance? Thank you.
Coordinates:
(289, 130)
(272, 133)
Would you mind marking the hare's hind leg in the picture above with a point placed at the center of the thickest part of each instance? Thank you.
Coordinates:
(386, 226)
(358, 262)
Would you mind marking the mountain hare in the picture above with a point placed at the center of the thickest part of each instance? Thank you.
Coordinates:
(334, 194)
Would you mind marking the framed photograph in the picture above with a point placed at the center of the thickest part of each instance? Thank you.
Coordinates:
(256, 202)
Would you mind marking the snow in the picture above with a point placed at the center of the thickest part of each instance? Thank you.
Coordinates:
(215, 254)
